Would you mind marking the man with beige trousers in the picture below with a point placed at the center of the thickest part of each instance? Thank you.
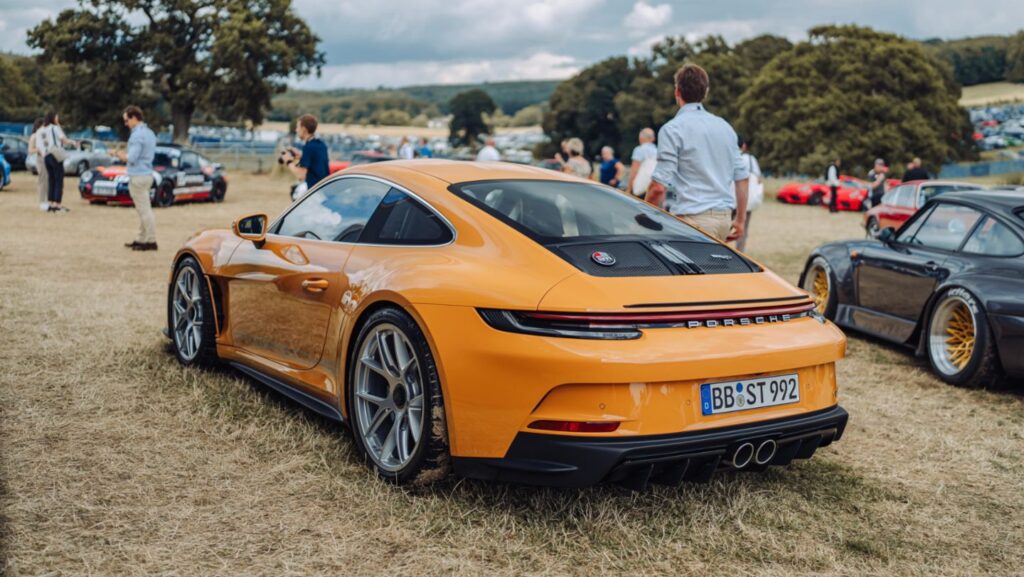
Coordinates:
(141, 150)
(700, 176)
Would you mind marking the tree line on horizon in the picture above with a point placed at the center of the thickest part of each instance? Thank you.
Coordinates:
(847, 91)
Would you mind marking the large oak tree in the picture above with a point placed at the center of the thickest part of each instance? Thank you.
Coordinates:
(223, 58)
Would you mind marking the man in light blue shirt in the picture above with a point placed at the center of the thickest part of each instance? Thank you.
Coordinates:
(700, 176)
(139, 158)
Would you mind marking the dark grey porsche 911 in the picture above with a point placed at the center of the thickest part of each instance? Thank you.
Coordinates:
(949, 283)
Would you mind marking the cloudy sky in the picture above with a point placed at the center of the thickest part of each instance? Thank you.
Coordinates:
(403, 42)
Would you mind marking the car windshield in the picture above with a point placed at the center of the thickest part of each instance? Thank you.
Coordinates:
(550, 210)
(162, 159)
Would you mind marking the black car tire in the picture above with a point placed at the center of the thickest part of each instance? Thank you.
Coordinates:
(82, 167)
(815, 199)
(165, 194)
(218, 191)
(429, 461)
(205, 353)
(983, 369)
(813, 266)
(871, 229)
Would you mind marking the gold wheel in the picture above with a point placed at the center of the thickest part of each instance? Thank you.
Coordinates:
(818, 282)
(960, 339)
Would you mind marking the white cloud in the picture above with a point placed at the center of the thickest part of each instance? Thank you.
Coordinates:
(645, 17)
(539, 66)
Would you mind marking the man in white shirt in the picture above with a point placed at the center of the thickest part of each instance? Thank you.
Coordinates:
(488, 152)
(405, 150)
(700, 176)
(832, 180)
(645, 157)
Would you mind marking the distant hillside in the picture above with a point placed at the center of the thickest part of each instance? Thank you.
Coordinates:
(978, 60)
(402, 105)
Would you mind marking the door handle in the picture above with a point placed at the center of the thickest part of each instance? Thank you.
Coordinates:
(315, 285)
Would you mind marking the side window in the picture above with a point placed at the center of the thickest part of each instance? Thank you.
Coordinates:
(906, 234)
(189, 161)
(337, 211)
(401, 219)
(904, 196)
(993, 238)
(86, 146)
(946, 226)
(930, 192)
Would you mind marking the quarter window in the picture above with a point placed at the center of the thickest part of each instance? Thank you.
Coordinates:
(993, 238)
(946, 226)
(189, 161)
(400, 219)
(337, 211)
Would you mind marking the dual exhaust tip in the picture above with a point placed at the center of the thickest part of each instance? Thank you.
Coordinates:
(746, 454)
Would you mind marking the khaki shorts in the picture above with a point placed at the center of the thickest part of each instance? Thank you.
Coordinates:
(717, 222)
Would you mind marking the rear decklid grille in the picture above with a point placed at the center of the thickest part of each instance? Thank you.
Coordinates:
(648, 258)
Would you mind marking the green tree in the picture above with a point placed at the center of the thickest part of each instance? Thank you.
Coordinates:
(223, 58)
(584, 106)
(858, 94)
(17, 99)
(468, 110)
(1015, 58)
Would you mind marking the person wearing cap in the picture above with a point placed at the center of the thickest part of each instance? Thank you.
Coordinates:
(876, 181)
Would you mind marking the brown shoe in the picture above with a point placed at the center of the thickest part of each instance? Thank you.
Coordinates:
(144, 246)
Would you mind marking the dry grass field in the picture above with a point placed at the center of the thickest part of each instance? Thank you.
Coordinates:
(117, 461)
(992, 93)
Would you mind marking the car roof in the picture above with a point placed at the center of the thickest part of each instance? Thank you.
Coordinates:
(456, 171)
(1006, 201)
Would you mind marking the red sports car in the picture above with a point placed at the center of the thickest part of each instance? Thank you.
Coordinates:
(903, 200)
(802, 192)
(851, 195)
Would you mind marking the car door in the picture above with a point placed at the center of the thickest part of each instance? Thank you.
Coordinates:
(100, 155)
(898, 277)
(282, 295)
(189, 179)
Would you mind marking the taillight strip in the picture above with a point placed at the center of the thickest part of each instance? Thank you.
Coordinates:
(619, 318)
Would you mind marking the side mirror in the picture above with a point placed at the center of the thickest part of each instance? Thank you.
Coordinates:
(887, 235)
(253, 227)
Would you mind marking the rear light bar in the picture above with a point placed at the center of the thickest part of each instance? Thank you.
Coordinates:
(626, 326)
(576, 426)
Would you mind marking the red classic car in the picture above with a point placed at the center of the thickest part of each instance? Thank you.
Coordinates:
(852, 192)
(903, 200)
(802, 192)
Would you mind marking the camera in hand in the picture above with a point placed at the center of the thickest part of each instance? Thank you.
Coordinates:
(286, 156)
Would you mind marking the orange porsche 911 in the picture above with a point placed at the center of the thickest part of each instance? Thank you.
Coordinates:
(511, 323)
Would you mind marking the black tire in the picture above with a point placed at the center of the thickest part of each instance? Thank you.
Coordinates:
(815, 199)
(827, 307)
(871, 229)
(204, 352)
(219, 191)
(429, 461)
(982, 369)
(82, 167)
(164, 195)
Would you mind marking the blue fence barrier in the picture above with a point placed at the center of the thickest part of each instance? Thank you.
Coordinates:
(17, 128)
(994, 168)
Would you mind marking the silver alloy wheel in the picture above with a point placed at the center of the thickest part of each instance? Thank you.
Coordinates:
(187, 313)
(389, 398)
(952, 335)
(872, 229)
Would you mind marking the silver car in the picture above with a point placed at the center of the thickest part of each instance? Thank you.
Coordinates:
(88, 154)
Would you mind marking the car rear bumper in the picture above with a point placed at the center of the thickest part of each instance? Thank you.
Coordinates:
(574, 461)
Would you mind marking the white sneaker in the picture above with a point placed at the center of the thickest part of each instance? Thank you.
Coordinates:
(44, 206)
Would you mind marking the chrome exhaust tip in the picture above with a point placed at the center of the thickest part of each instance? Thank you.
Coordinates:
(765, 452)
(743, 455)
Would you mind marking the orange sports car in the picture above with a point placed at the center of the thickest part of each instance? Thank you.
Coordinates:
(511, 323)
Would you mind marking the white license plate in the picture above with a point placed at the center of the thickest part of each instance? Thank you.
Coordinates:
(104, 189)
(742, 395)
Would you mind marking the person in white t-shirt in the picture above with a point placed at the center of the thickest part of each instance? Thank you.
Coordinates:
(52, 140)
(488, 152)
(755, 188)
(645, 158)
(405, 149)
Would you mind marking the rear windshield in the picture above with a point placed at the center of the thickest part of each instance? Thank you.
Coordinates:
(550, 211)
